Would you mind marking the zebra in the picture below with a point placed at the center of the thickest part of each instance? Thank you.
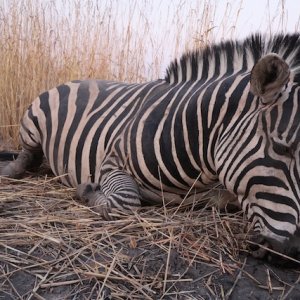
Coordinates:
(228, 113)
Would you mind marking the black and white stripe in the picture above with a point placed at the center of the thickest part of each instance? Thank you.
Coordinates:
(198, 126)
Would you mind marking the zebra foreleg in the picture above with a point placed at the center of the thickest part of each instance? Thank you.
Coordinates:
(118, 191)
(92, 196)
(25, 161)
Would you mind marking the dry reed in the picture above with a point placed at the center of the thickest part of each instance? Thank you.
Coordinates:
(46, 43)
(52, 246)
(47, 235)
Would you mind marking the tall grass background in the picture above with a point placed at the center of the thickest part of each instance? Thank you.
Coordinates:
(45, 42)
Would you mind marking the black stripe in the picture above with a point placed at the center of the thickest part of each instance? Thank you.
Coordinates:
(183, 69)
(183, 157)
(81, 102)
(149, 130)
(128, 113)
(45, 108)
(165, 138)
(233, 105)
(273, 117)
(30, 135)
(217, 63)
(205, 65)
(258, 180)
(148, 134)
(235, 145)
(194, 66)
(64, 93)
(271, 228)
(276, 198)
(193, 127)
(229, 57)
(241, 160)
(285, 117)
(276, 215)
(295, 122)
(8, 155)
(35, 121)
(206, 130)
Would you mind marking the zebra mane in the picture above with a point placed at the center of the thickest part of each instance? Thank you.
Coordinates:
(234, 56)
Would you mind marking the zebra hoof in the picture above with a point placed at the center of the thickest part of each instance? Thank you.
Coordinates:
(93, 197)
(102, 209)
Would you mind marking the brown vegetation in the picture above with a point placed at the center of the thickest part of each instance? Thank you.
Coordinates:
(45, 43)
(52, 247)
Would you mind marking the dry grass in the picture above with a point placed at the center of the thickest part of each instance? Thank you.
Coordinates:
(52, 246)
(41, 49)
(57, 241)
(45, 43)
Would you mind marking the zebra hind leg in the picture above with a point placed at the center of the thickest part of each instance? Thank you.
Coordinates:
(118, 191)
(26, 160)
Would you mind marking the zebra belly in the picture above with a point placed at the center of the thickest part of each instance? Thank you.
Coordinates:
(210, 195)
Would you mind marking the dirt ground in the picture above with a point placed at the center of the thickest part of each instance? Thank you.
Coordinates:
(254, 280)
(52, 247)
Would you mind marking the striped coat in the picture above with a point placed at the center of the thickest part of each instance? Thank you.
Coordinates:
(226, 114)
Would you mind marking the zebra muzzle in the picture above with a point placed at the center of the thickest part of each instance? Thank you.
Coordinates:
(285, 254)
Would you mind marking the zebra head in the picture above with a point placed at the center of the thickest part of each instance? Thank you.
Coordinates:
(271, 181)
(248, 121)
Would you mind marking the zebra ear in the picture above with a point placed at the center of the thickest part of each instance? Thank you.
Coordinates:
(269, 77)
